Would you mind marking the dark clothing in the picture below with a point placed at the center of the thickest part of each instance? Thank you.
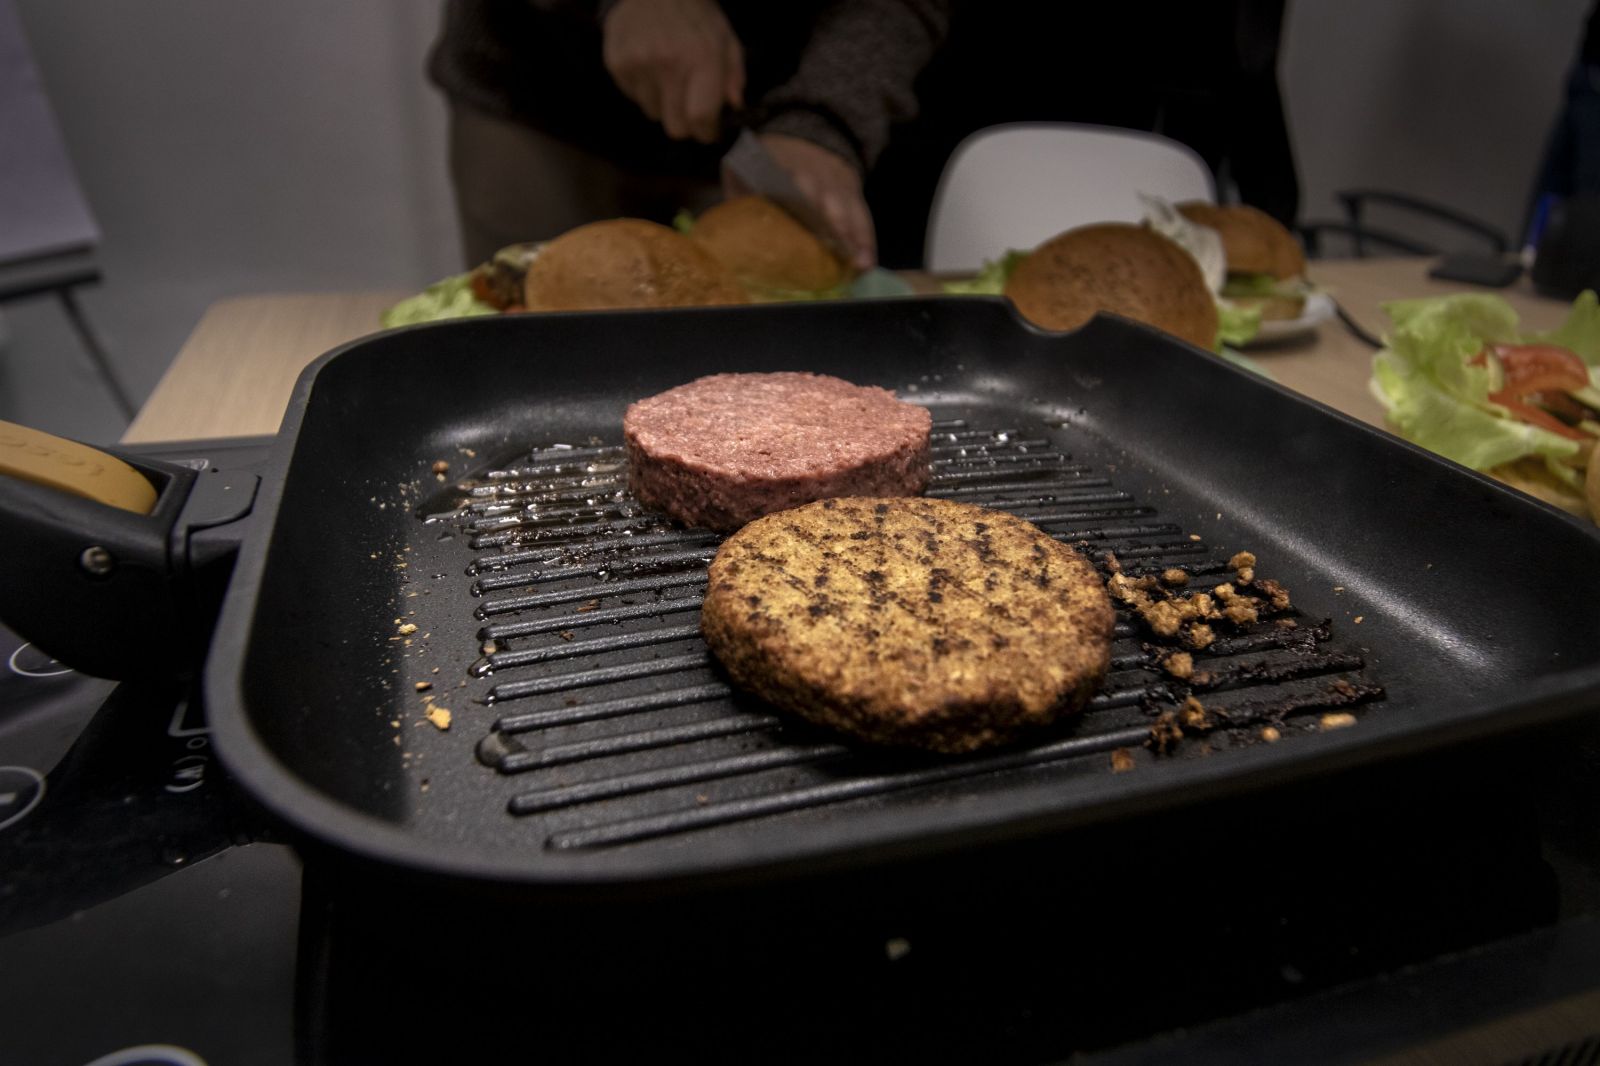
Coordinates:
(515, 184)
(1202, 74)
(835, 73)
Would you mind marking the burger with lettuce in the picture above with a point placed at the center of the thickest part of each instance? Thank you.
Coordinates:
(1265, 265)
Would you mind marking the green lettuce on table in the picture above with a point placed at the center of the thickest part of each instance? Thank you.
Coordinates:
(451, 298)
(1437, 391)
(991, 277)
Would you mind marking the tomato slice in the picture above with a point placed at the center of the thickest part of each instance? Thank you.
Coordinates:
(1535, 417)
(1539, 368)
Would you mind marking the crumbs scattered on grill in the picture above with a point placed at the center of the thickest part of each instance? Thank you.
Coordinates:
(1166, 734)
(1192, 716)
(1185, 620)
(439, 717)
(1121, 760)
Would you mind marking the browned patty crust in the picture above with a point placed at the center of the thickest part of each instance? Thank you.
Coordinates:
(916, 622)
(725, 449)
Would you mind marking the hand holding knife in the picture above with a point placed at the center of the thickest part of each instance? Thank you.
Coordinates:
(821, 190)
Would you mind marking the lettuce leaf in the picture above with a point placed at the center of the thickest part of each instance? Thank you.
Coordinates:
(1236, 325)
(1437, 398)
(449, 298)
(1580, 332)
(1250, 285)
(683, 221)
(991, 279)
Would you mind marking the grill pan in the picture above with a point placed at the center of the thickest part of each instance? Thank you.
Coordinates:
(592, 743)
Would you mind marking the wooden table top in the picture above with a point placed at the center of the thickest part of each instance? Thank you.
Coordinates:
(236, 372)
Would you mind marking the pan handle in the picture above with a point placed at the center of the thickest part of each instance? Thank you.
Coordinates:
(91, 557)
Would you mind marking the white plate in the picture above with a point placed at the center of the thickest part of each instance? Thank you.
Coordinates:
(1318, 309)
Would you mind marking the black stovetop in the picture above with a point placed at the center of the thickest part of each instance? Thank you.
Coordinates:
(145, 905)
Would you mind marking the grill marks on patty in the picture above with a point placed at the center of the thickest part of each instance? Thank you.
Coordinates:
(909, 621)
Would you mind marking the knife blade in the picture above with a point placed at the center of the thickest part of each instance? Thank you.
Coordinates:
(750, 162)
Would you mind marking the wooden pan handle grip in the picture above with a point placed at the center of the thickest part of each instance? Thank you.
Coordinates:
(67, 466)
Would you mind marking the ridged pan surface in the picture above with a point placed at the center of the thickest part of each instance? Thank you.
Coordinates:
(447, 528)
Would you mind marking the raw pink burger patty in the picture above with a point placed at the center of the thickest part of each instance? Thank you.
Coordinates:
(726, 449)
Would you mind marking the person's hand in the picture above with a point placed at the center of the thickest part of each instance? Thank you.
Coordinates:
(830, 183)
(679, 60)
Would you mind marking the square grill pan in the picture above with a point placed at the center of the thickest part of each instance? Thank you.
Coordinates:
(593, 742)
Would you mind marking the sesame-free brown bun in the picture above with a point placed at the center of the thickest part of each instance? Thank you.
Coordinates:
(1112, 266)
(766, 247)
(626, 262)
(1252, 241)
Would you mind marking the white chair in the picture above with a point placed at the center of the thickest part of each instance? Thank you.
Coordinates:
(1017, 185)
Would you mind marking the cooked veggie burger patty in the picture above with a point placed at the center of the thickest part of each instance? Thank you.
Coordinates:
(914, 622)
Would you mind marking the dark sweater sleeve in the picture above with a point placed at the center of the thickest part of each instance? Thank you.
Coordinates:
(856, 74)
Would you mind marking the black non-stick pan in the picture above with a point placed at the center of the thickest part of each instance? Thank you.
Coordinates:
(445, 527)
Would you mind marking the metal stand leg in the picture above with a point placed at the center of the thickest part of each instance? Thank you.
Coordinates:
(97, 354)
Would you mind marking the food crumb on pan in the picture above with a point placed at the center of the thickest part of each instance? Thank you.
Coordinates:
(439, 717)
(1242, 561)
(1192, 715)
(423, 686)
(1194, 536)
(1336, 720)
(407, 628)
(1180, 664)
(1270, 734)
(896, 948)
(1166, 734)
(441, 467)
(1276, 594)
(1121, 760)
(1174, 576)
(1357, 619)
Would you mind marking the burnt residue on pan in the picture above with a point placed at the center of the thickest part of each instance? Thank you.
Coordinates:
(591, 654)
